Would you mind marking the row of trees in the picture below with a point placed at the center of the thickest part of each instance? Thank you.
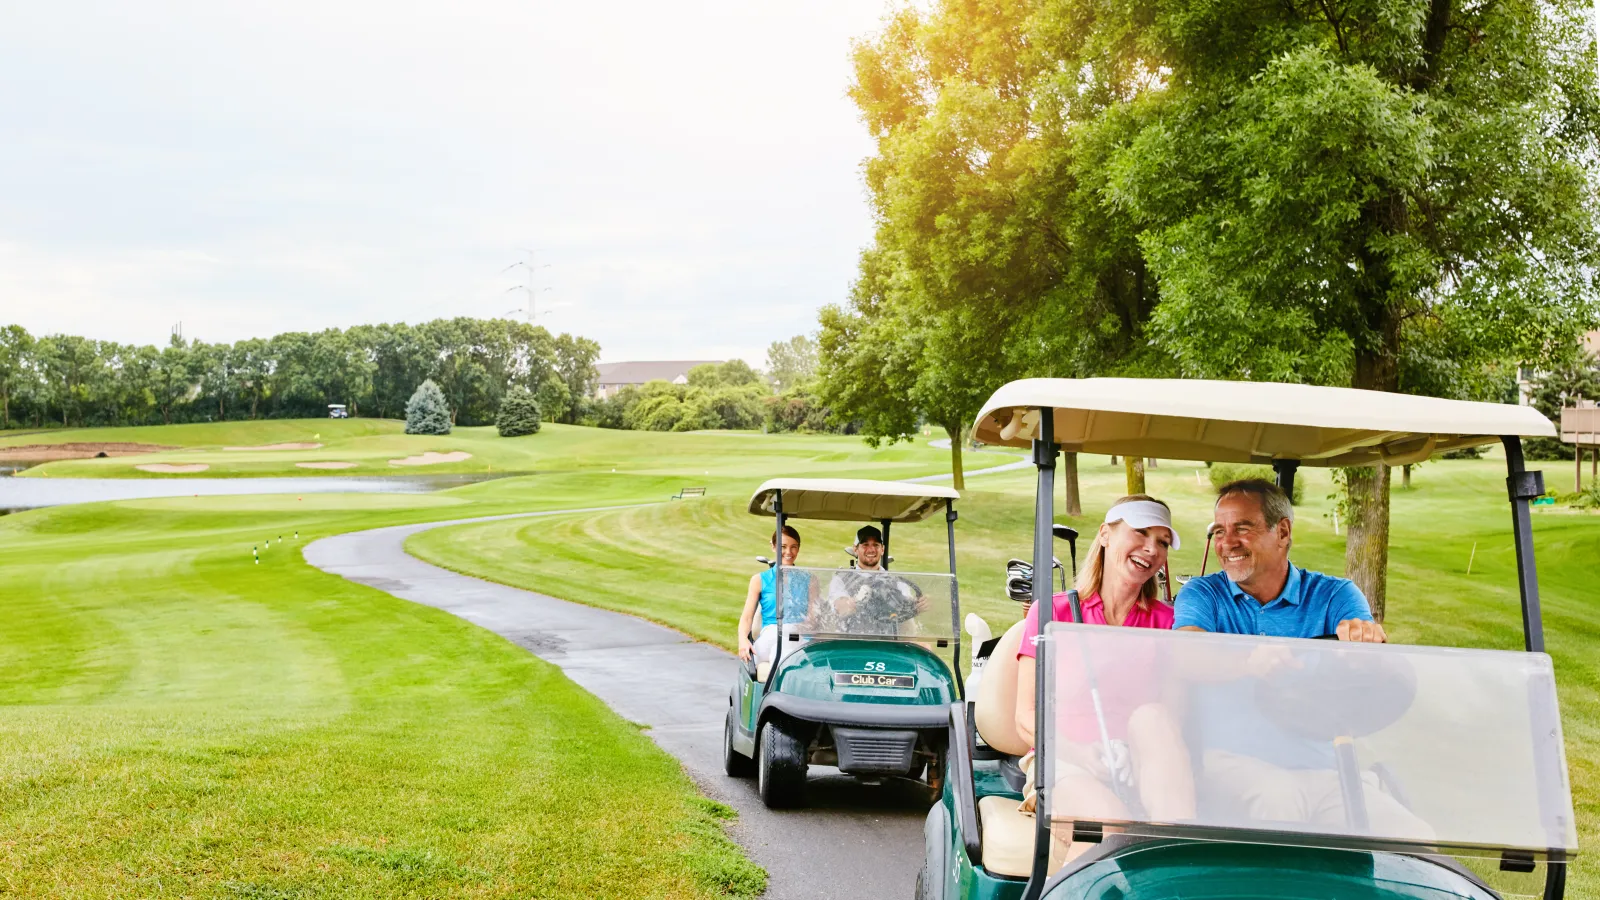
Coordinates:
(728, 395)
(373, 369)
(1398, 196)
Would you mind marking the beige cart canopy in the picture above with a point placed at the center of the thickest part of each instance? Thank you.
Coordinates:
(1245, 421)
(851, 499)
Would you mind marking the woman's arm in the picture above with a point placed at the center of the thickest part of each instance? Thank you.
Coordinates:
(1027, 685)
(752, 597)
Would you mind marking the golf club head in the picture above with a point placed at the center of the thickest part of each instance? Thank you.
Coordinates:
(763, 560)
(850, 551)
(1064, 532)
(1019, 588)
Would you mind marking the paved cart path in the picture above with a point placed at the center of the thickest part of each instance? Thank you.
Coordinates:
(854, 840)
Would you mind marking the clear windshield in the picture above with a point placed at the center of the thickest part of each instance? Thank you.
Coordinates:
(1297, 741)
(911, 606)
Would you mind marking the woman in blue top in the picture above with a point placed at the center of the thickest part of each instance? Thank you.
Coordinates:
(800, 594)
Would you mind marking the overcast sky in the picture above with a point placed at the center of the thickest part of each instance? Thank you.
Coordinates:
(689, 171)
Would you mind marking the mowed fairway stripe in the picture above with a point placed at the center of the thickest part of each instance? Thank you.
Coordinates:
(853, 841)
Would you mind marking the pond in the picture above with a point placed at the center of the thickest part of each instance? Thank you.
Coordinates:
(31, 493)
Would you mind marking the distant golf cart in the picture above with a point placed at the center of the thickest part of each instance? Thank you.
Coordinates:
(338, 411)
(1442, 772)
(861, 683)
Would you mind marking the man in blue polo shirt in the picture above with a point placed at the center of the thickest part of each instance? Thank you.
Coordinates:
(1248, 761)
(1258, 590)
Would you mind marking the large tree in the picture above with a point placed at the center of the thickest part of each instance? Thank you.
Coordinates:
(892, 360)
(1389, 194)
(1326, 188)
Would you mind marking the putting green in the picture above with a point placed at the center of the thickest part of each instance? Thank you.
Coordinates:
(697, 560)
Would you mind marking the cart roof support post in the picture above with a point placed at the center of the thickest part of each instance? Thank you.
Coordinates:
(1045, 451)
(1283, 470)
(884, 562)
(1522, 486)
(777, 584)
(955, 594)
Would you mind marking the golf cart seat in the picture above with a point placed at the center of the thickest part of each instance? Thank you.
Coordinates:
(1006, 832)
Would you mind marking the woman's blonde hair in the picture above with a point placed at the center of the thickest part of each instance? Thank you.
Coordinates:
(1094, 563)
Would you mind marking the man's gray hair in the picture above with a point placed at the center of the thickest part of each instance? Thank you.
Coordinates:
(1275, 505)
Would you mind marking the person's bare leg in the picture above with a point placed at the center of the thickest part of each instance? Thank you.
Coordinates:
(1086, 797)
(1161, 764)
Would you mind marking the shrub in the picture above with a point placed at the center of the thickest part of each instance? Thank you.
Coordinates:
(1464, 453)
(426, 411)
(1225, 473)
(519, 414)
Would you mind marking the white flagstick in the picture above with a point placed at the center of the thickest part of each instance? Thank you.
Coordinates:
(1472, 556)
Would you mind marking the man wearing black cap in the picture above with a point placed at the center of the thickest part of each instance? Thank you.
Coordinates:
(871, 602)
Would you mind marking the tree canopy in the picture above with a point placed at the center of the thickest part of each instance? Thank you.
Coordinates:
(1397, 195)
(373, 369)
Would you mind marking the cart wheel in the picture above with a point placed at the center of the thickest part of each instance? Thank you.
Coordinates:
(781, 773)
(734, 763)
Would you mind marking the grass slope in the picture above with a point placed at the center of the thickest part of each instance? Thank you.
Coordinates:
(372, 443)
(687, 565)
(178, 721)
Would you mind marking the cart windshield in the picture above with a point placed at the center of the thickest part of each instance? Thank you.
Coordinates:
(1320, 743)
(882, 605)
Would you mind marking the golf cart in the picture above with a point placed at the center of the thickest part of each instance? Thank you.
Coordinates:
(859, 682)
(1440, 772)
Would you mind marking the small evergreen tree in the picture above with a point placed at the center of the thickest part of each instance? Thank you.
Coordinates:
(519, 414)
(426, 411)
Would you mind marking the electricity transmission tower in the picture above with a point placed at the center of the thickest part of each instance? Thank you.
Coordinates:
(531, 269)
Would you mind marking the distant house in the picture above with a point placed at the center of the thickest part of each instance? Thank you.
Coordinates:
(616, 376)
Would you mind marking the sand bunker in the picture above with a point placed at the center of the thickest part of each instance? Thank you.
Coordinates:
(53, 452)
(429, 458)
(301, 445)
(171, 469)
(326, 465)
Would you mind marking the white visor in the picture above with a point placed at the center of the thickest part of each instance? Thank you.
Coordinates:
(1144, 514)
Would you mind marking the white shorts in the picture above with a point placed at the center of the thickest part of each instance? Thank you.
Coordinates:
(767, 641)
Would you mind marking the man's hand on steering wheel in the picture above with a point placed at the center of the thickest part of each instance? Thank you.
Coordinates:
(1362, 632)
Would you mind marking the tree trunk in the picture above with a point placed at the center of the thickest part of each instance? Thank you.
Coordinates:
(1113, 460)
(1149, 463)
(1366, 554)
(1405, 476)
(1072, 498)
(1134, 466)
(958, 477)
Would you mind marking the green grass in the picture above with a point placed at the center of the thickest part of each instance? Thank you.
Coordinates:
(177, 721)
(686, 565)
(372, 443)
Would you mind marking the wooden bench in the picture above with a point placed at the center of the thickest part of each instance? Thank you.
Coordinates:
(689, 492)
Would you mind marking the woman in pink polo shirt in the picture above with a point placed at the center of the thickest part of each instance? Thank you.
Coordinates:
(1117, 587)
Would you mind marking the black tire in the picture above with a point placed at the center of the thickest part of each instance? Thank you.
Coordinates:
(781, 767)
(734, 763)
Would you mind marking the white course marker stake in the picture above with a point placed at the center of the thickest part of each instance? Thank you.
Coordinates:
(1197, 478)
(1336, 523)
(1470, 557)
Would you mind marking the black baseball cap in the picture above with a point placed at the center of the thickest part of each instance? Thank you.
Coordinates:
(869, 533)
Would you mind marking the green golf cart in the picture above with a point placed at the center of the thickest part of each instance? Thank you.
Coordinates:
(865, 664)
(1422, 773)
